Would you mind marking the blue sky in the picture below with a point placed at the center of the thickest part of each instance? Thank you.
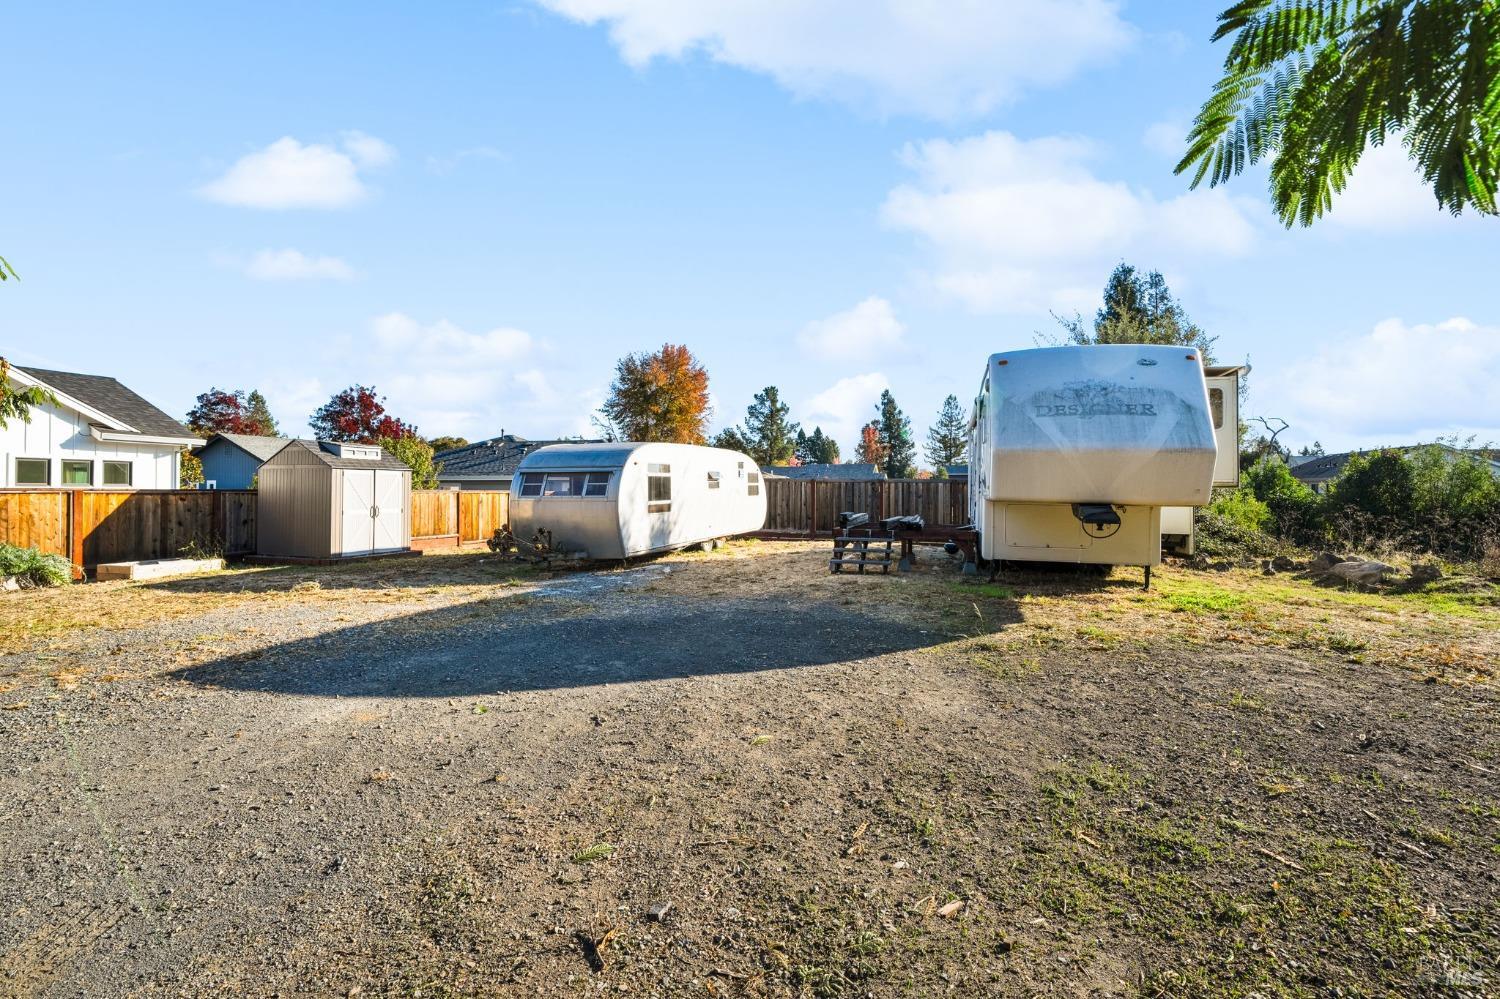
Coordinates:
(479, 207)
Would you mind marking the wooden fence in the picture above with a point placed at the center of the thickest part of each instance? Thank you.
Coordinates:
(89, 526)
(801, 506)
(456, 516)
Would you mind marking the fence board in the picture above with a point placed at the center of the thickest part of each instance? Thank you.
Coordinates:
(800, 506)
(481, 513)
(434, 513)
(35, 519)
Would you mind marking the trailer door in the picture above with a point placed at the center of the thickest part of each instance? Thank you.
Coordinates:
(1224, 406)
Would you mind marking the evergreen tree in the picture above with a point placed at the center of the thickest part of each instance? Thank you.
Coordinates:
(817, 448)
(948, 438)
(1138, 309)
(732, 439)
(258, 413)
(893, 431)
(770, 435)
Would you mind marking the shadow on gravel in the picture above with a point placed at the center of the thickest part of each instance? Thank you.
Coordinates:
(460, 651)
(446, 569)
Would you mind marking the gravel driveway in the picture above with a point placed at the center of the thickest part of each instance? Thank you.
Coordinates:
(839, 786)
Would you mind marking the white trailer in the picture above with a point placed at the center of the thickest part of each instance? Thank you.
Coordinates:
(616, 501)
(1075, 452)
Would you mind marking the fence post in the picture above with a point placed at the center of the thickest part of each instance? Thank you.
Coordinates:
(812, 527)
(75, 531)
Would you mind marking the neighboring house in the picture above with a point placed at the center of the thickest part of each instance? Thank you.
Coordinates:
(100, 434)
(488, 464)
(959, 472)
(231, 461)
(1318, 472)
(824, 473)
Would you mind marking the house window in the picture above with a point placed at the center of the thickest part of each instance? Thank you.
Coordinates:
(33, 472)
(753, 489)
(658, 488)
(713, 480)
(1216, 406)
(118, 473)
(77, 473)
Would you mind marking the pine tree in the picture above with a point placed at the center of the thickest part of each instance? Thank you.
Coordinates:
(731, 439)
(258, 413)
(817, 448)
(770, 435)
(894, 434)
(1138, 309)
(948, 438)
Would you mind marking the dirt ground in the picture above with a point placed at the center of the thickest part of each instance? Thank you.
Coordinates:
(459, 776)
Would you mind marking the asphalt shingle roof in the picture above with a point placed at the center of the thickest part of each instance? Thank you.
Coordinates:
(110, 397)
(262, 448)
(825, 473)
(496, 458)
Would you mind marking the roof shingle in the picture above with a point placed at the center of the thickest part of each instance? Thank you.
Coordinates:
(113, 399)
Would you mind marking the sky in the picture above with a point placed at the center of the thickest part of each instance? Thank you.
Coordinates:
(478, 208)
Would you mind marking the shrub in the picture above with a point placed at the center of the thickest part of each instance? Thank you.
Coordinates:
(1241, 508)
(1293, 507)
(33, 567)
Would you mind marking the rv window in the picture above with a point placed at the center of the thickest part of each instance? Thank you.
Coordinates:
(659, 469)
(753, 489)
(531, 484)
(713, 480)
(597, 484)
(658, 490)
(1216, 406)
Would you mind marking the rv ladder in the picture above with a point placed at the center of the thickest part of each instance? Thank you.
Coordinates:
(868, 550)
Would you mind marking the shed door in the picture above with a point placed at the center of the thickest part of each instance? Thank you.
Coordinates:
(358, 534)
(1224, 407)
(390, 511)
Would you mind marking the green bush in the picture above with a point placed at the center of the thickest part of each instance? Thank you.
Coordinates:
(1241, 508)
(1293, 507)
(33, 567)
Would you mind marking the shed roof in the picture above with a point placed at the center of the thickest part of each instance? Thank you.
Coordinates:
(260, 448)
(324, 451)
(496, 458)
(108, 396)
(853, 472)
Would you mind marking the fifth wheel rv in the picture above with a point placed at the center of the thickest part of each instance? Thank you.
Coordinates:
(1077, 454)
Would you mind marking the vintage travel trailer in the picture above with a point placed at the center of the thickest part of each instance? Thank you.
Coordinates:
(1076, 452)
(616, 501)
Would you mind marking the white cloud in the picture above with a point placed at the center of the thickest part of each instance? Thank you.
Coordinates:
(1397, 384)
(442, 344)
(288, 174)
(870, 325)
(1166, 138)
(294, 265)
(844, 407)
(955, 58)
(1386, 194)
(1019, 225)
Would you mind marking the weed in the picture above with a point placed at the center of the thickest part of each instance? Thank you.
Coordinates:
(1345, 644)
(599, 851)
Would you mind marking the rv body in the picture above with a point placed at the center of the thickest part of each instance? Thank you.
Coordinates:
(1076, 454)
(619, 500)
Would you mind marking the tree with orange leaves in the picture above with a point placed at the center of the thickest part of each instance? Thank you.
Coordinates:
(661, 396)
(870, 449)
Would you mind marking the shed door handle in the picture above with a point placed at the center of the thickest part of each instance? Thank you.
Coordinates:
(374, 511)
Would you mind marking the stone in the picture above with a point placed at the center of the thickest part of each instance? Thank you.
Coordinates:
(1426, 572)
(658, 912)
(1362, 573)
(1282, 563)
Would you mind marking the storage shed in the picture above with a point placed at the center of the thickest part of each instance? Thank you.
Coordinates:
(616, 501)
(326, 500)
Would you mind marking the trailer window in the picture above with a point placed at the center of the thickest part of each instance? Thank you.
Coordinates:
(753, 489)
(713, 480)
(563, 485)
(658, 488)
(1216, 406)
(597, 484)
(531, 484)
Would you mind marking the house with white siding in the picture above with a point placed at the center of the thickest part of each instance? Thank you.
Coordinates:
(99, 435)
